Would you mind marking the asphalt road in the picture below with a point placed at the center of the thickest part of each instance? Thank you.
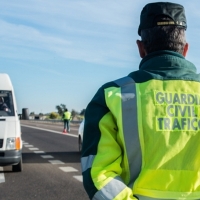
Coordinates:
(51, 166)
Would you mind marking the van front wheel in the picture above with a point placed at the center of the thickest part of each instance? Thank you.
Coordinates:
(18, 167)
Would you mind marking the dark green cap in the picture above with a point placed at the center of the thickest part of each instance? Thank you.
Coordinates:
(150, 14)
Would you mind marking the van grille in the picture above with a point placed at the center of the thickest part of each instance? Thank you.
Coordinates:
(1, 143)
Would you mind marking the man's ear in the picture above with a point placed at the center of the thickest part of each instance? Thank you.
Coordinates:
(185, 50)
(141, 49)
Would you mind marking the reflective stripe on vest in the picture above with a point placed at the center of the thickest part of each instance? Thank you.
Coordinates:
(111, 190)
(86, 162)
(130, 126)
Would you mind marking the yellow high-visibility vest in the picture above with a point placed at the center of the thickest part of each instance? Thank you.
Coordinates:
(67, 115)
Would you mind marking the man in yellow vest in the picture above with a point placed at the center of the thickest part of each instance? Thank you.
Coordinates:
(142, 132)
(66, 117)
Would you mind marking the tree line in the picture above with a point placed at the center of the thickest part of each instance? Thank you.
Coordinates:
(60, 110)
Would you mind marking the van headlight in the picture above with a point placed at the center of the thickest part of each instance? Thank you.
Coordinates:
(10, 143)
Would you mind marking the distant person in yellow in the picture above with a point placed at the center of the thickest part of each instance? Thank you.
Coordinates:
(66, 117)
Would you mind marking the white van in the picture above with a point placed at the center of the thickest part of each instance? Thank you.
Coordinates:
(10, 129)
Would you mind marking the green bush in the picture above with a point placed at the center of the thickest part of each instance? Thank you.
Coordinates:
(53, 115)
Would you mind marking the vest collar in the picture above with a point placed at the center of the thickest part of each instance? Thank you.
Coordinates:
(165, 60)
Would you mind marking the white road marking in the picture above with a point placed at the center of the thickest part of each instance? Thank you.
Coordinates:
(47, 156)
(39, 152)
(33, 149)
(68, 169)
(28, 145)
(79, 178)
(25, 143)
(2, 177)
(68, 134)
(56, 162)
(64, 169)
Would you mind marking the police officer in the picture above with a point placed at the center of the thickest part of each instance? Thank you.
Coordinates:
(141, 134)
(66, 117)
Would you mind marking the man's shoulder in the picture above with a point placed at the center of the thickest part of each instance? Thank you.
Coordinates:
(100, 94)
(118, 82)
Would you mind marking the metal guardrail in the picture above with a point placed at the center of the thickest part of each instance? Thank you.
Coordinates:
(51, 121)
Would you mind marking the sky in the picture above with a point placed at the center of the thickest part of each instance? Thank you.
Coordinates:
(61, 51)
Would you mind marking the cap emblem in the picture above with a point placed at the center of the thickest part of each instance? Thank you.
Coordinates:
(165, 23)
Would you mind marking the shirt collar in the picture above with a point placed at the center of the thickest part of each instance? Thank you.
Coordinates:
(165, 60)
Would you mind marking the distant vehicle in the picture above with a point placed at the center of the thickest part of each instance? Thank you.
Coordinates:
(80, 135)
(10, 129)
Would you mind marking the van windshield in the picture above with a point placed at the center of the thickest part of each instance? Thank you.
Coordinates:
(6, 103)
